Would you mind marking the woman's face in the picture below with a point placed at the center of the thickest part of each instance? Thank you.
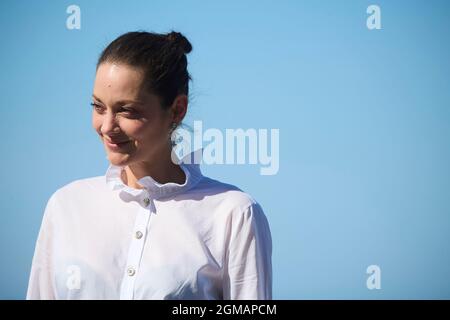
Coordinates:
(130, 122)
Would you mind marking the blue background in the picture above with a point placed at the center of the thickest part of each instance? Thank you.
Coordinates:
(363, 116)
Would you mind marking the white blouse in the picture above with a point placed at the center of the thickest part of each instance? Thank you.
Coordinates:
(101, 239)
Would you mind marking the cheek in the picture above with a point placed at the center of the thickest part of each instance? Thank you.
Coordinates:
(148, 134)
(96, 122)
(133, 128)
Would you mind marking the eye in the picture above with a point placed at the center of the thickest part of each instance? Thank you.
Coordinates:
(97, 107)
(129, 113)
(127, 110)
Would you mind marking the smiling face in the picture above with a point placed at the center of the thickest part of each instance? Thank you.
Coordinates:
(130, 121)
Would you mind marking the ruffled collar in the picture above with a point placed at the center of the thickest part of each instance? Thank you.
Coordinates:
(153, 188)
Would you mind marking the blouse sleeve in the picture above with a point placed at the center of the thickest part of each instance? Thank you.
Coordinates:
(40, 285)
(248, 271)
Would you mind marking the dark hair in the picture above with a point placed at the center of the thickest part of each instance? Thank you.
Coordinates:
(161, 57)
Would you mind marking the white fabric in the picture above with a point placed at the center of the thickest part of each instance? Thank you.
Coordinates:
(203, 239)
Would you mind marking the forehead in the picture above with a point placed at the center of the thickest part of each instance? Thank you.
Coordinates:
(117, 81)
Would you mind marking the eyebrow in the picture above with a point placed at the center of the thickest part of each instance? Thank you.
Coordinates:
(119, 102)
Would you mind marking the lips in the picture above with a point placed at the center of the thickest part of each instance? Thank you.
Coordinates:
(116, 142)
(113, 144)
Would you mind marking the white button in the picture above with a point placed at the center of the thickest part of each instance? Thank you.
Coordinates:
(131, 271)
(146, 201)
(138, 234)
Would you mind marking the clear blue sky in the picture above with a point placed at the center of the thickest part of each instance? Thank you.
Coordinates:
(364, 119)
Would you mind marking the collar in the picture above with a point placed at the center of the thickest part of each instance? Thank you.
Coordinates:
(190, 164)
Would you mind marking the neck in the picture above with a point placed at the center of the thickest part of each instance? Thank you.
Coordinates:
(162, 170)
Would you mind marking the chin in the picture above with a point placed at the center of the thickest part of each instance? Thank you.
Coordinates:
(118, 159)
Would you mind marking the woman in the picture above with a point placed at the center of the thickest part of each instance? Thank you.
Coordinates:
(151, 227)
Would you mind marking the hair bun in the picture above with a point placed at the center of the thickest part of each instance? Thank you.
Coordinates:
(180, 40)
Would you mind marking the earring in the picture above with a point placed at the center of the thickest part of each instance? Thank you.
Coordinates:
(173, 142)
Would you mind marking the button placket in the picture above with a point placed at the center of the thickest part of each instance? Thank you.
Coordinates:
(135, 251)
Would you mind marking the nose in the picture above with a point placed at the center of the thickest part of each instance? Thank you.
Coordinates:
(109, 125)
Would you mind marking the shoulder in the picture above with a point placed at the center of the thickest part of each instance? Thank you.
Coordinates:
(223, 193)
(77, 194)
(228, 201)
(79, 190)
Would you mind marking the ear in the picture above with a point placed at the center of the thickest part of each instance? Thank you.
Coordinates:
(179, 108)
